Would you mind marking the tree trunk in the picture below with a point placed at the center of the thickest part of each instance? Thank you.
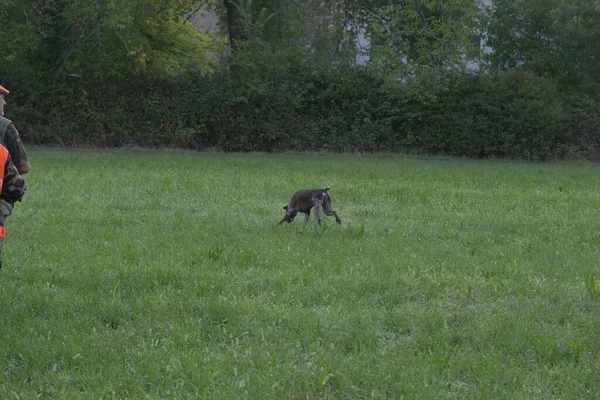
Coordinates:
(232, 23)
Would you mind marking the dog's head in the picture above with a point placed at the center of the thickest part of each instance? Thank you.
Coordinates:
(289, 215)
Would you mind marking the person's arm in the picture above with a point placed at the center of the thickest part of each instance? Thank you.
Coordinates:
(15, 147)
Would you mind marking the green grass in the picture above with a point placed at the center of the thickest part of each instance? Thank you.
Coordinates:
(147, 274)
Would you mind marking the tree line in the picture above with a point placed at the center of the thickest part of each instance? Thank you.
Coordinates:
(498, 78)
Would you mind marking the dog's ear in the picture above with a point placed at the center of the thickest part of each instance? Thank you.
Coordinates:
(327, 188)
(285, 207)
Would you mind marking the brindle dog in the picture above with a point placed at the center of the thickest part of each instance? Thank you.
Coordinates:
(306, 199)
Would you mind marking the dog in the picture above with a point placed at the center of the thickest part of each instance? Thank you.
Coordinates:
(306, 199)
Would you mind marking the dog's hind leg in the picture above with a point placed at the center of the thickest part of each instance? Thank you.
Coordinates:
(317, 209)
(329, 212)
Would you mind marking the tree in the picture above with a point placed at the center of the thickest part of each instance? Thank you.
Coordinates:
(559, 39)
(233, 24)
(425, 38)
(99, 39)
(317, 26)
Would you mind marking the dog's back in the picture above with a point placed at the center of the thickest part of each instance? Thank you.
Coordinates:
(305, 199)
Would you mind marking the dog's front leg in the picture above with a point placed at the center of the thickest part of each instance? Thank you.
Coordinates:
(306, 217)
(289, 216)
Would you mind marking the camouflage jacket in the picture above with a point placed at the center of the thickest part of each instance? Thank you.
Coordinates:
(13, 186)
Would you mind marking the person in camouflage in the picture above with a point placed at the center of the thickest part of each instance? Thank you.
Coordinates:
(13, 186)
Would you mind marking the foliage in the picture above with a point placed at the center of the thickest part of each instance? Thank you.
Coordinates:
(514, 115)
(287, 103)
(427, 38)
(558, 39)
(581, 137)
(101, 39)
(114, 73)
(314, 25)
(57, 52)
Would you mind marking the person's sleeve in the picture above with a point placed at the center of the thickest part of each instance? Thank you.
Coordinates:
(15, 147)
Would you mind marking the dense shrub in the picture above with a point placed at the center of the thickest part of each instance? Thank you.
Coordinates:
(287, 103)
(279, 106)
(139, 111)
(581, 135)
(513, 115)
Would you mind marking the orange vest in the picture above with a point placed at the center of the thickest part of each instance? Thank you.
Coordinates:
(3, 159)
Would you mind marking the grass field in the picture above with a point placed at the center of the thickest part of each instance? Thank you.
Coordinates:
(148, 274)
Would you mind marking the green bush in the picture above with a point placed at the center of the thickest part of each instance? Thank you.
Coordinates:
(515, 115)
(581, 136)
(287, 103)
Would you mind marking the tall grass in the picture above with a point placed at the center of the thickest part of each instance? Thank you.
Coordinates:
(147, 274)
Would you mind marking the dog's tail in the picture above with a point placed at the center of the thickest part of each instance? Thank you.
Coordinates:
(327, 188)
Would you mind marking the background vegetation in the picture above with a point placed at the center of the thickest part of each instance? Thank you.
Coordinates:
(281, 76)
(165, 275)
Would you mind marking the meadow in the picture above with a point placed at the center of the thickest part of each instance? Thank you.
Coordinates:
(164, 274)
